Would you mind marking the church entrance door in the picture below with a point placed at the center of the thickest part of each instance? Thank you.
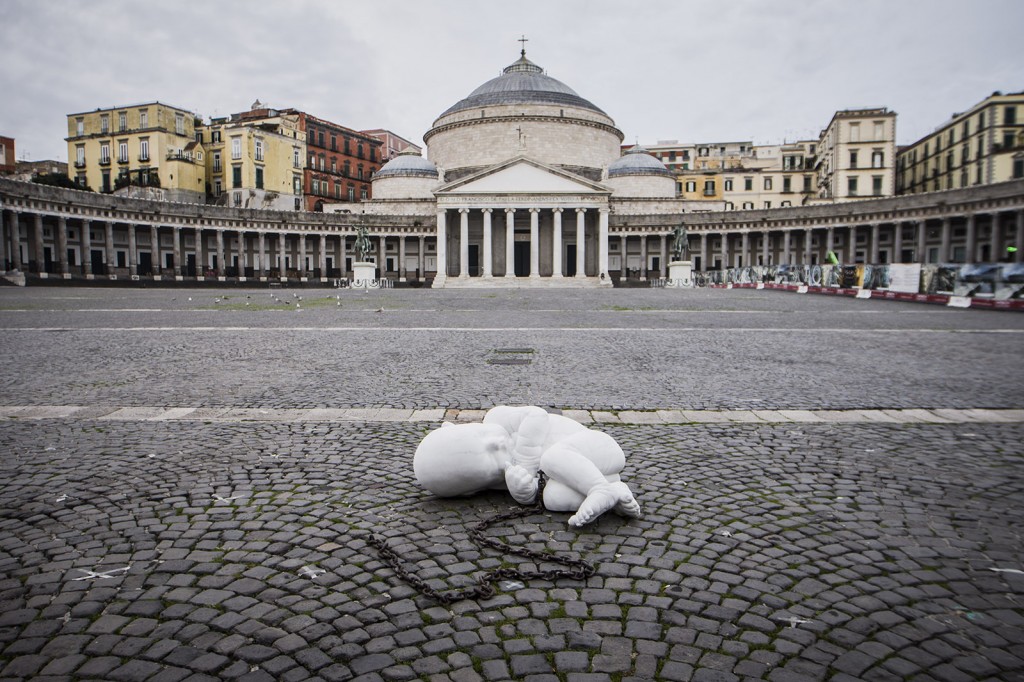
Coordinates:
(474, 260)
(570, 260)
(522, 256)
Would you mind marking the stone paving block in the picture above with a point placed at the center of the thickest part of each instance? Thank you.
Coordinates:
(638, 417)
(581, 416)
(427, 415)
(803, 416)
(604, 417)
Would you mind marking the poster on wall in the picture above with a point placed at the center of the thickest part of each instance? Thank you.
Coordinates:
(977, 279)
(938, 279)
(852, 275)
(875, 277)
(1011, 281)
(905, 277)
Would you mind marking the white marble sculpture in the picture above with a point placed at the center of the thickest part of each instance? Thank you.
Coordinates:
(508, 450)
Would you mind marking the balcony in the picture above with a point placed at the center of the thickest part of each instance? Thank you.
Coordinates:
(144, 158)
(709, 192)
(104, 160)
(122, 159)
(80, 164)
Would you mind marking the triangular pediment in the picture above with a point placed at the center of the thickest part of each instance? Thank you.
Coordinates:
(522, 176)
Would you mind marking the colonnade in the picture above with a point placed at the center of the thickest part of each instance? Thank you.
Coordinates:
(533, 242)
(64, 247)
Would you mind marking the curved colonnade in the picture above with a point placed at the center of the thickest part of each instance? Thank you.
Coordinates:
(70, 234)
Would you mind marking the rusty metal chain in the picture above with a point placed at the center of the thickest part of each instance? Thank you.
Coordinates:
(574, 569)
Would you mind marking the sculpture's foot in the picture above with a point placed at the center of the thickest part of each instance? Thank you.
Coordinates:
(603, 498)
(521, 484)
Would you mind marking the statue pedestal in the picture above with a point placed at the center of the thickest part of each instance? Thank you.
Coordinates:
(680, 274)
(363, 274)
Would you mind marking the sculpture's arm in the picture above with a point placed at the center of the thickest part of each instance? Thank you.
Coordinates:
(530, 437)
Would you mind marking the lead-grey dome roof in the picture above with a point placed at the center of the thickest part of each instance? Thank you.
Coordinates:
(408, 164)
(637, 161)
(522, 82)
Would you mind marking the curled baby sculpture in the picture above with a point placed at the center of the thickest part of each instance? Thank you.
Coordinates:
(510, 448)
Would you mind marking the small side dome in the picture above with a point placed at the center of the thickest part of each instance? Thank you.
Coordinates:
(407, 164)
(637, 161)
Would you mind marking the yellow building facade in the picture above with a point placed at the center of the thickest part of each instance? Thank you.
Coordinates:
(143, 148)
(981, 146)
(255, 159)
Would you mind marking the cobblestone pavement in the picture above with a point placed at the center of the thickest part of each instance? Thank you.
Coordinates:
(192, 548)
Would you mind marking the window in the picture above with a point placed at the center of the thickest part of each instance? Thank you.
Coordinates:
(876, 185)
(348, 169)
(259, 149)
(359, 150)
(143, 118)
(216, 162)
(347, 149)
(217, 187)
(359, 172)
(295, 157)
(748, 205)
(807, 183)
(879, 130)
(691, 185)
(851, 186)
(179, 124)
(671, 156)
(334, 143)
(878, 159)
(767, 204)
(1008, 139)
(364, 193)
(323, 163)
(79, 126)
(854, 132)
(965, 154)
(259, 178)
(709, 188)
(1018, 169)
(80, 155)
(787, 184)
(215, 136)
(853, 159)
(296, 184)
(748, 184)
(122, 121)
(767, 183)
(236, 147)
(104, 152)
(144, 149)
(728, 184)
(236, 176)
(337, 191)
(1010, 115)
(104, 124)
(351, 193)
(80, 179)
(237, 198)
(315, 186)
(981, 120)
(785, 204)
(320, 138)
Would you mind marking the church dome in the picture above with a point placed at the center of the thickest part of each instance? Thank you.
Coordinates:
(522, 82)
(407, 164)
(637, 161)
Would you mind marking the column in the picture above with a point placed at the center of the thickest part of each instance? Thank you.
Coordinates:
(581, 258)
(972, 238)
(16, 241)
(876, 229)
(726, 262)
(108, 247)
(704, 265)
(133, 244)
(221, 263)
(1018, 257)
(556, 243)
(303, 270)
(487, 242)
(921, 232)
(534, 242)
(282, 255)
(420, 262)
(179, 270)
(154, 251)
(263, 256)
(241, 255)
(62, 248)
(37, 244)
(785, 248)
(463, 243)
(808, 241)
(643, 258)
(401, 258)
(3, 241)
(662, 257)
(947, 234)
(342, 255)
(830, 241)
(995, 238)
(766, 238)
(510, 242)
(382, 263)
(853, 245)
(602, 245)
(745, 249)
(323, 257)
(897, 243)
(624, 246)
(442, 249)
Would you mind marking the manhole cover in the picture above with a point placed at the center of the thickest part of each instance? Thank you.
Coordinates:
(509, 361)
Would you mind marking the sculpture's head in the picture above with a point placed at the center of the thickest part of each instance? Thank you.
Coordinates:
(461, 459)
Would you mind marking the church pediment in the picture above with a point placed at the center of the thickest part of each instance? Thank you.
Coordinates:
(522, 176)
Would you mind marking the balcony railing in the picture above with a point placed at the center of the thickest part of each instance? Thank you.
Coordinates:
(79, 164)
(104, 160)
(143, 157)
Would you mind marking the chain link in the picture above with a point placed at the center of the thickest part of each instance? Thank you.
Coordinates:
(573, 569)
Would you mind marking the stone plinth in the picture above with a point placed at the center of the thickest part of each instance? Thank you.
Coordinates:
(680, 274)
(363, 273)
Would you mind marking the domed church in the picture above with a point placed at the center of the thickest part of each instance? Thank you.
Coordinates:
(525, 179)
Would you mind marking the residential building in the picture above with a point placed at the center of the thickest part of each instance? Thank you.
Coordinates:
(856, 155)
(339, 162)
(393, 144)
(151, 145)
(981, 146)
(6, 155)
(255, 159)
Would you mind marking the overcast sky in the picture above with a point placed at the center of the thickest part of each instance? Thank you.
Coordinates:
(694, 71)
